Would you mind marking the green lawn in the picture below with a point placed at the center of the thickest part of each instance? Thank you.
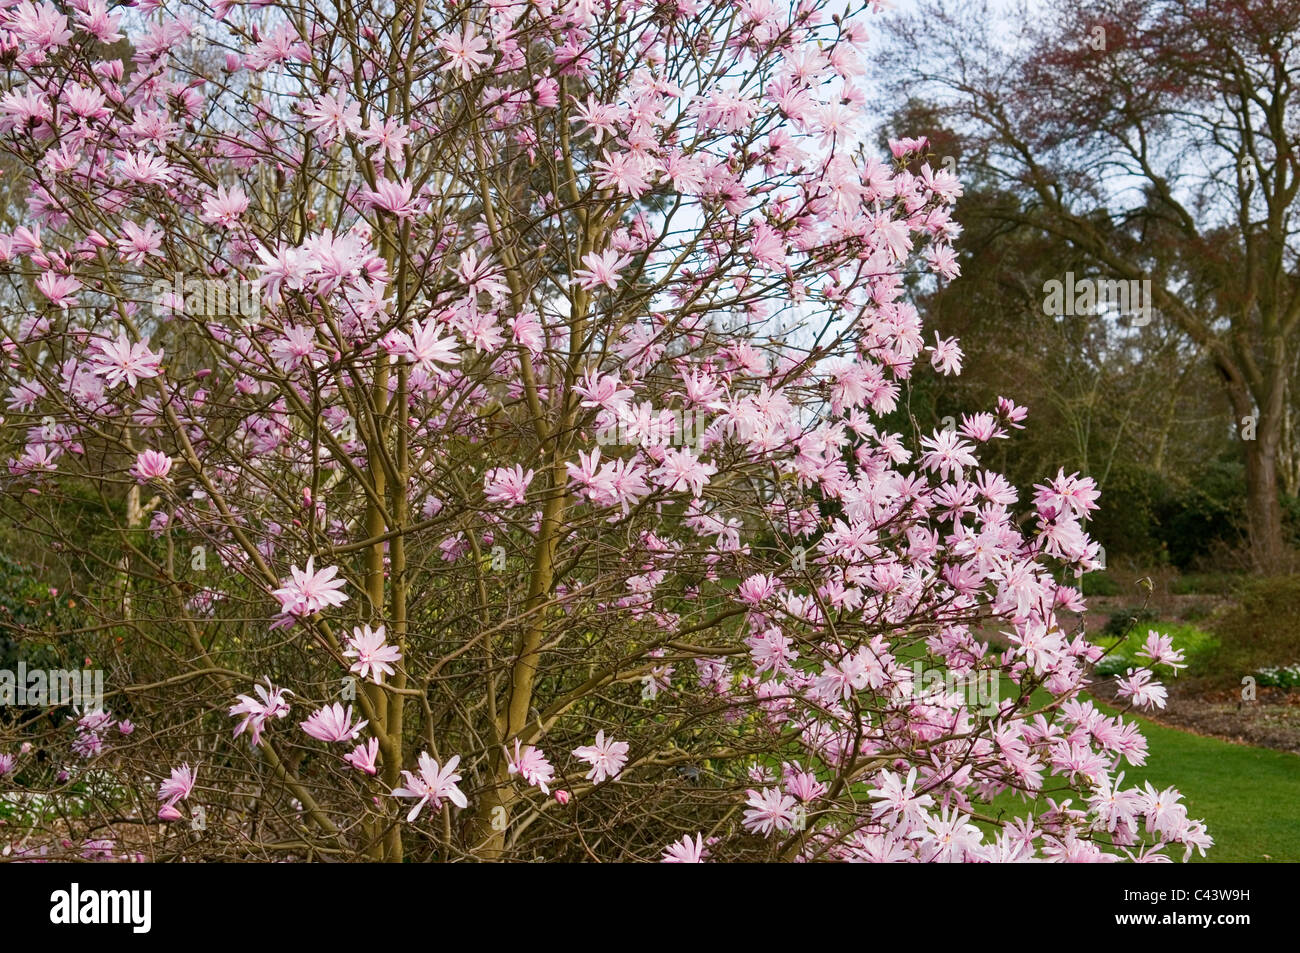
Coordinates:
(1248, 797)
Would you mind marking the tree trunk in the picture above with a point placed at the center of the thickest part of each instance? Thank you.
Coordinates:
(1263, 508)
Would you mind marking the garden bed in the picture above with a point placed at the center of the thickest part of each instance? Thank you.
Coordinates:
(1271, 721)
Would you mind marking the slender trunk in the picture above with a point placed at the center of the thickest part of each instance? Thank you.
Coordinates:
(375, 527)
(491, 822)
(393, 851)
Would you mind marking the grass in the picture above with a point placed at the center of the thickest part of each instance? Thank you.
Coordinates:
(1248, 797)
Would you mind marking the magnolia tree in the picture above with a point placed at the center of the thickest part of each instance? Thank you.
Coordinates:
(479, 432)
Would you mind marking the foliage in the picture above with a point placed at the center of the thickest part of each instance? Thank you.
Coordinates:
(1258, 629)
(1196, 645)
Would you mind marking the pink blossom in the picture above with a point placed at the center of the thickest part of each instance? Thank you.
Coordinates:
(605, 757)
(309, 591)
(432, 785)
(465, 52)
(685, 851)
(60, 289)
(363, 756)
(681, 470)
(269, 704)
(374, 656)
(1139, 687)
(531, 765)
(332, 723)
(151, 465)
(601, 269)
(501, 485)
(770, 812)
(1160, 650)
(179, 786)
(394, 197)
(125, 361)
(225, 207)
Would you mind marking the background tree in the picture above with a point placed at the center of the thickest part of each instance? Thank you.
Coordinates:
(1158, 139)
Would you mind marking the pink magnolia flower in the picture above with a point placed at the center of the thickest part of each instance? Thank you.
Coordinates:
(682, 470)
(950, 837)
(394, 197)
(432, 785)
(605, 757)
(531, 765)
(770, 812)
(139, 242)
(622, 172)
(124, 360)
(601, 269)
(946, 453)
(1072, 494)
(562, 797)
(309, 591)
(60, 289)
(390, 137)
(96, 720)
(98, 849)
(332, 116)
(269, 704)
(424, 347)
(169, 812)
(685, 851)
(501, 485)
(179, 786)
(465, 52)
(803, 784)
(143, 168)
(1164, 815)
(296, 346)
(332, 724)
(94, 17)
(901, 147)
(36, 458)
(363, 756)
(1138, 686)
(756, 588)
(25, 394)
(41, 26)
(225, 207)
(151, 465)
(7, 763)
(374, 657)
(946, 355)
(1160, 650)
